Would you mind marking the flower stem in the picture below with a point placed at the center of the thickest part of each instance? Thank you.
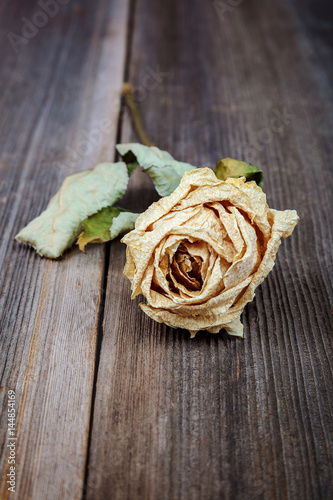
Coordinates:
(135, 114)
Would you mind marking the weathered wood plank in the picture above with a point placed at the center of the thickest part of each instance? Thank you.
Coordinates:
(216, 417)
(60, 98)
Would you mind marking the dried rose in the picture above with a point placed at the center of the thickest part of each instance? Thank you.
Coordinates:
(199, 254)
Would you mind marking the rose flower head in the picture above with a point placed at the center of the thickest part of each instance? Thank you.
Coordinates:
(198, 255)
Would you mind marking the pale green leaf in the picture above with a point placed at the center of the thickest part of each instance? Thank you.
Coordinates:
(162, 168)
(123, 223)
(227, 167)
(106, 225)
(96, 228)
(80, 196)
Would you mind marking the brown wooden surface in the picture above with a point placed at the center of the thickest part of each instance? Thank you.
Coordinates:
(64, 81)
(111, 404)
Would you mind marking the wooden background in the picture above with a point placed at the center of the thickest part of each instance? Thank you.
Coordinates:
(111, 405)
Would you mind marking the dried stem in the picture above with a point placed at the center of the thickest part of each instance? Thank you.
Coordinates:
(136, 117)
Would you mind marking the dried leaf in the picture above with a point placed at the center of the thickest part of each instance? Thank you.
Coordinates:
(123, 223)
(227, 167)
(106, 225)
(80, 196)
(162, 168)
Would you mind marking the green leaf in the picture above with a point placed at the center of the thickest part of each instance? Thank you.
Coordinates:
(123, 223)
(80, 196)
(106, 225)
(131, 167)
(227, 167)
(162, 168)
(96, 228)
(130, 161)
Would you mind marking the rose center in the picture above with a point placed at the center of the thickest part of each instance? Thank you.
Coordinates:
(186, 269)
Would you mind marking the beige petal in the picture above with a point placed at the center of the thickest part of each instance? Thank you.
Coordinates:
(244, 263)
(191, 323)
(190, 180)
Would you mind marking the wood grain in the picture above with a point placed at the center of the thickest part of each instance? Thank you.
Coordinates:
(60, 87)
(217, 417)
(209, 418)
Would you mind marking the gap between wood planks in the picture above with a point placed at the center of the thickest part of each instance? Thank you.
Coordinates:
(100, 333)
